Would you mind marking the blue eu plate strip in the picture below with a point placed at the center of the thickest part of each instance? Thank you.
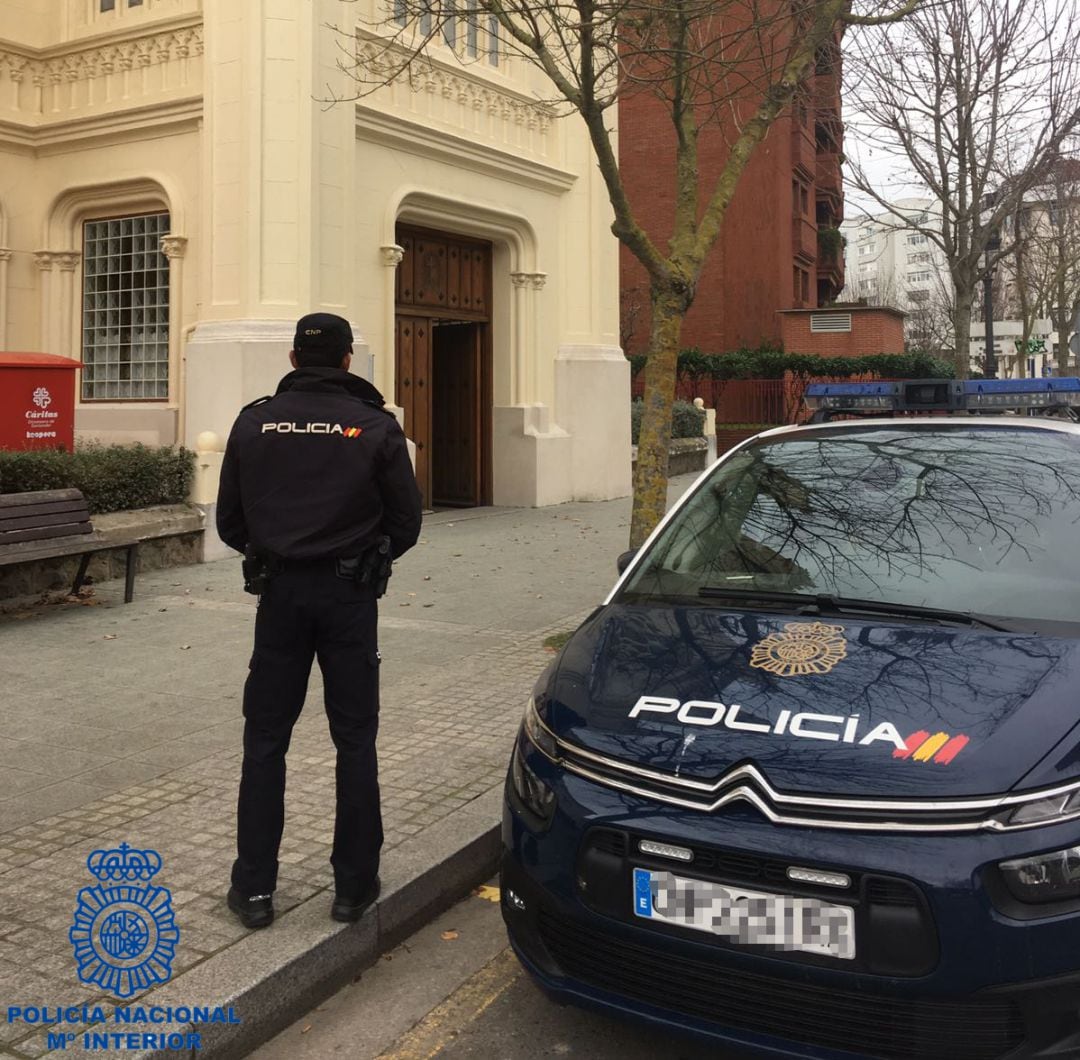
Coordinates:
(643, 892)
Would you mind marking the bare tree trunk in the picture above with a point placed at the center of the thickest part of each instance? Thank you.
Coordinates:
(965, 297)
(650, 476)
(1062, 311)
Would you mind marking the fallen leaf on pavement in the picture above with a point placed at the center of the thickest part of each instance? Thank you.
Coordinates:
(448, 936)
(488, 893)
(185, 647)
(304, 1030)
(110, 636)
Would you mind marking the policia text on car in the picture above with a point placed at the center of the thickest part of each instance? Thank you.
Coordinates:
(318, 492)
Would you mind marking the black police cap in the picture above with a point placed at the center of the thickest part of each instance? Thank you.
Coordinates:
(322, 332)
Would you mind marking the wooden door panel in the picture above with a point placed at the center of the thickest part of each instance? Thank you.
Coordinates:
(413, 370)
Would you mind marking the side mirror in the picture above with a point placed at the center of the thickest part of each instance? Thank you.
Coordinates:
(625, 559)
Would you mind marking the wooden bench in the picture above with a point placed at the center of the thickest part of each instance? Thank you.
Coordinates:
(48, 524)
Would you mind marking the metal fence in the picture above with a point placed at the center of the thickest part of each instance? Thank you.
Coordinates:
(752, 401)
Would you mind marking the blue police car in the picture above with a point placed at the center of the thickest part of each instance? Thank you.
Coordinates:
(808, 781)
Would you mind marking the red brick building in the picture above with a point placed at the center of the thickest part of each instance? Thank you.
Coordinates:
(779, 247)
(843, 331)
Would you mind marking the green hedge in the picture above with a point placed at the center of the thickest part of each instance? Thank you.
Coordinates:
(111, 477)
(687, 421)
(766, 363)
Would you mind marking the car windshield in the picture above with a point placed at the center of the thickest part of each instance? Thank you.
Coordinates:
(965, 518)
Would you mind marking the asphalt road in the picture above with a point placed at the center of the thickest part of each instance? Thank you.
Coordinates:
(455, 991)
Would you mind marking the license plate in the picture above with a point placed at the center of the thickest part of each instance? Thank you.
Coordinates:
(747, 918)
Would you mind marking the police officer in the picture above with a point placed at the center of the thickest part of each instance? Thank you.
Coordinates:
(313, 479)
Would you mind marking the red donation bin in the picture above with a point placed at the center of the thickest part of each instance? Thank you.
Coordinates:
(37, 401)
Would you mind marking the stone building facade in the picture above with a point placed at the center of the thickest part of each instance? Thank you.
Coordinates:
(175, 191)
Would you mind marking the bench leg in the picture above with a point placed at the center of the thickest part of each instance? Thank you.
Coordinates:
(129, 574)
(84, 562)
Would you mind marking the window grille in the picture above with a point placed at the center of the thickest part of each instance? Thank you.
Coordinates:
(125, 322)
(830, 322)
(472, 33)
(449, 26)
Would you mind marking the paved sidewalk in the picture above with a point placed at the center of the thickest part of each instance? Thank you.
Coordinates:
(121, 723)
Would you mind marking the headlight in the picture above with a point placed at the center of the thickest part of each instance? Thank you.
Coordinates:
(532, 792)
(540, 736)
(1044, 877)
(1046, 811)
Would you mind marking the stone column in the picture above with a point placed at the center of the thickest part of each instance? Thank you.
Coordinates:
(45, 260)
(279, 210)
(70, 340)
(385, 376)
(174, 248)
(523, 348)
(5, 258)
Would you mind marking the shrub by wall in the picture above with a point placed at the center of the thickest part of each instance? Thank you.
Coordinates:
(687, 421)
(111, 477)
(769, 363)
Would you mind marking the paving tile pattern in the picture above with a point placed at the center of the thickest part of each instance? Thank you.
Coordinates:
(437, 753)
(121, 723)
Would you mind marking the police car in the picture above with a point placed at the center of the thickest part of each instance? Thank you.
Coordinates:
(808, 781)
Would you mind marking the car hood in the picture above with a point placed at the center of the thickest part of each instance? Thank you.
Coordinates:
(832, 705)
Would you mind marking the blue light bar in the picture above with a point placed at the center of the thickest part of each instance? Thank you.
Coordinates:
(852, 395)
(945, 395)
(1020, 393)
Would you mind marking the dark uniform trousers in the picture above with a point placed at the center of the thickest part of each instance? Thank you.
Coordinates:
(308, 612)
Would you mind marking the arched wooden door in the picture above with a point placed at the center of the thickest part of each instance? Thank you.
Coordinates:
(443, 363)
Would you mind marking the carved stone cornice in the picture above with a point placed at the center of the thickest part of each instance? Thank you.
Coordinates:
(536, 280)
(392, 255)
(468, 89)
(45, 259)
(80, 61)
(67, 260)
(174, 247)
(5, 254)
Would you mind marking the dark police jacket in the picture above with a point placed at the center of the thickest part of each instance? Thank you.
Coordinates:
(320, 469)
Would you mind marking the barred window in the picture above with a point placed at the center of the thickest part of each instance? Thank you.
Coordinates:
(125, 323)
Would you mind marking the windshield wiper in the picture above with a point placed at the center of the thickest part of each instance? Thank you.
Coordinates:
(827, 603)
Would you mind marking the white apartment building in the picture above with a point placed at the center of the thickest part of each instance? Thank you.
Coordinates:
(889, 264)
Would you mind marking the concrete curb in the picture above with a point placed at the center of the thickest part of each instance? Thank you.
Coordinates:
(272, 977)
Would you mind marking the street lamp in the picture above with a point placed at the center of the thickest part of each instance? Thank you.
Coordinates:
(993, 244)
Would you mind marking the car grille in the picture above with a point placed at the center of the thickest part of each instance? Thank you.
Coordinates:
(889, 1028)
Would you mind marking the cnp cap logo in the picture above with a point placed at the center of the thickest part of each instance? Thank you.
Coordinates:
(804, 648)
(941, 748)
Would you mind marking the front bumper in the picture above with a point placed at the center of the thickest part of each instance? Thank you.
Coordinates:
(989, 986)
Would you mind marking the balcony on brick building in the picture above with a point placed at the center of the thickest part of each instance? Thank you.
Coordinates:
(829, 182)
(803, 150)
(803, 238)
(830, 264)
(826, 94)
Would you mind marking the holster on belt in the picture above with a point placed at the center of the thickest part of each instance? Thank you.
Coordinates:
(372, 567)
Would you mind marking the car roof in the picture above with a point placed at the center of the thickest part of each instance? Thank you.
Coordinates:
(1034, 423)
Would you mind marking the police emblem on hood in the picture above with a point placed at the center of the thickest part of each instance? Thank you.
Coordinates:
(805, 648)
